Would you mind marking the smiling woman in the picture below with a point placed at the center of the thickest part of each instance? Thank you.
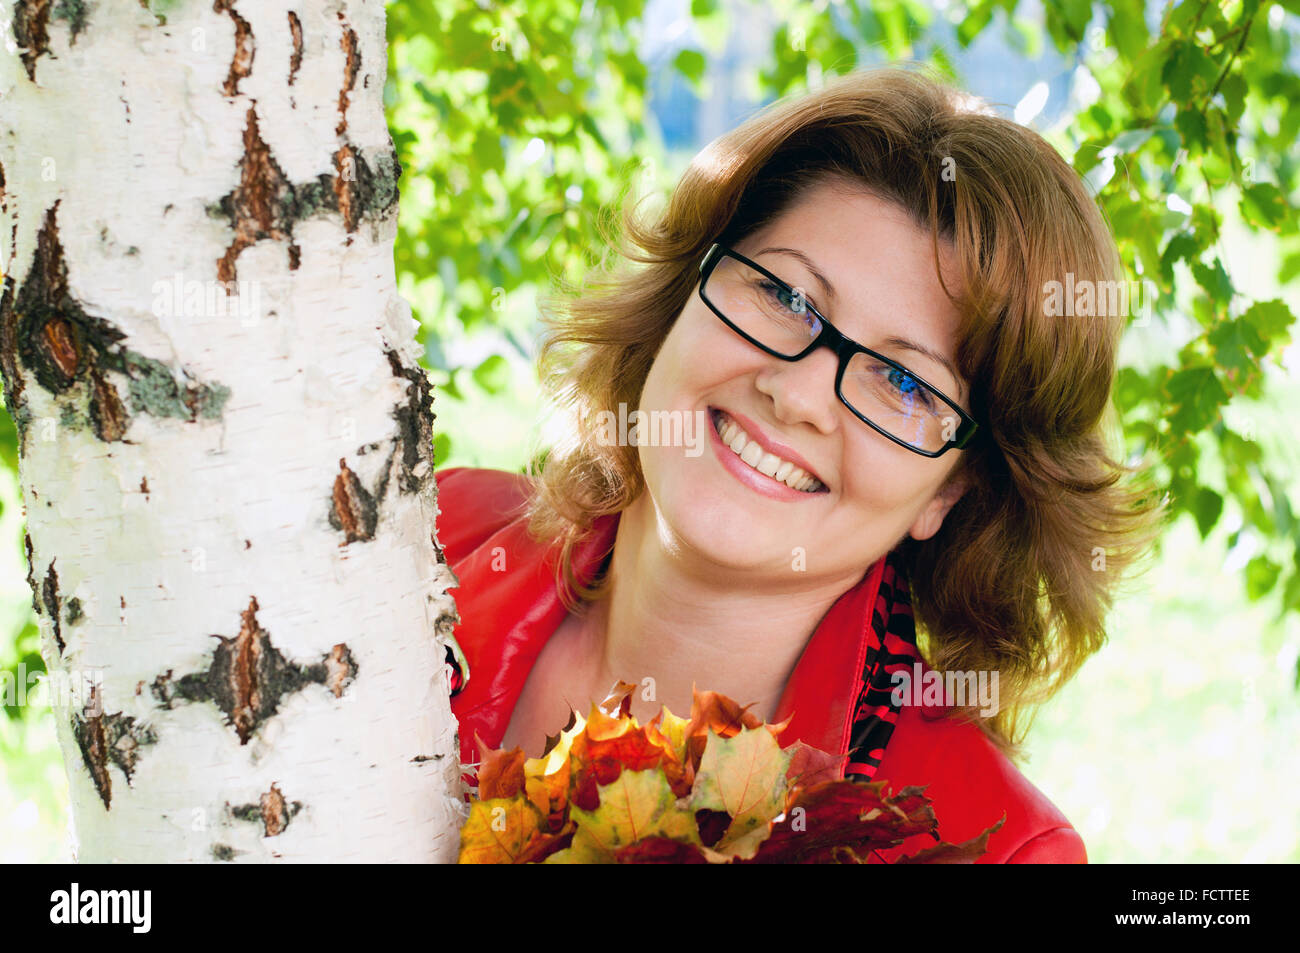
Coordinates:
(847, 285)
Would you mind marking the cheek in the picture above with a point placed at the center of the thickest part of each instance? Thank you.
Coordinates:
(686, 363)
(885, 484)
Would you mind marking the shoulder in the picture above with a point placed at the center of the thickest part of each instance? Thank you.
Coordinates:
(474, 503)
(971, 785)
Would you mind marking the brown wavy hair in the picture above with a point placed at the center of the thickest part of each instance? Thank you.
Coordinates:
(1024, 569)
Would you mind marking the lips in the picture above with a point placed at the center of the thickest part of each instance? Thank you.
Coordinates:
(790, 459)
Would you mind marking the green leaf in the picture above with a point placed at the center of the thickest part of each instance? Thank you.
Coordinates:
(974, 23)
(488, 153)
(691, 64)
(1261, 576)
(1206, 506)
(8, 441)
(1214, 280)
(1190, 124)
(1234, 95)
(1188, 72)
(441, 449)
(1264, 206)
(493, 375)
(1271, 319)
(1235, 342)
(1128, 28)
(450, 387)
(1290, 267)
(1181, 247)
(1144, 88)
(1195, 395)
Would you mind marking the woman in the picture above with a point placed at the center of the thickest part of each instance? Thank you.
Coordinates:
(847, 293)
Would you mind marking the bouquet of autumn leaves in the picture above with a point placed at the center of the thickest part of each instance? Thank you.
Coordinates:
(714, 788)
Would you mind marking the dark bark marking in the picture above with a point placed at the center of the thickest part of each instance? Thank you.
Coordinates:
(104, 738)
(241, 64)
(31, 22)
(50, 596)
(361, 191)
(74, 11)
(349, 44)
(155, 390)
(257, 207)
(295, 58)
(272, 810)
(31, 579)
(248, 676)
(72, 611)
(266, 204)
(224, 852)
(340, 669)
(345, 185)
(45, 330)
(353, 509)
(414, 424)
(107, 414)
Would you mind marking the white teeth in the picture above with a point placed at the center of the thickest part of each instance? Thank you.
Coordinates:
(768, 464)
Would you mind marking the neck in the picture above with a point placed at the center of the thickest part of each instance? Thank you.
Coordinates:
(672, 621)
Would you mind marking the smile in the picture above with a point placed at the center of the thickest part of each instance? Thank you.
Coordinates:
(750, 452)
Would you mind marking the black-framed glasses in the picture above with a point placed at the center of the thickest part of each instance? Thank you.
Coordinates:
(777, 319)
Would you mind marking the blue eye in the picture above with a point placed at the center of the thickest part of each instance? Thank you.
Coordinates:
(904, 382)
(909, 386)
(793, 303)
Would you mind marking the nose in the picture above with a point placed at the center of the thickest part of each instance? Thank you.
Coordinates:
(803, 391)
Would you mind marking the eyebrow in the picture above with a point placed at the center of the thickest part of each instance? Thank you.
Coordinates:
(910, 345)
(900, 342)
(807, 263)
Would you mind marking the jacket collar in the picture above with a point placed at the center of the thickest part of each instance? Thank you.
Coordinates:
(516, 611)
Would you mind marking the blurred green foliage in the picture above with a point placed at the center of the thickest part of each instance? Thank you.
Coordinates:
(520, 126)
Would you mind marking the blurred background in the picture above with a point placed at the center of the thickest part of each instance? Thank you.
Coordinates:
(521, 127)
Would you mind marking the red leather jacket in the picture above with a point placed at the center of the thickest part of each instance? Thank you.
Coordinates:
(509, 606)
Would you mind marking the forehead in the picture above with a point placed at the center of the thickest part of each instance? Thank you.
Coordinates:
(844, 226)
(877, 258)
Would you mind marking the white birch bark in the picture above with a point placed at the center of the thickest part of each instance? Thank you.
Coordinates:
(229, 498)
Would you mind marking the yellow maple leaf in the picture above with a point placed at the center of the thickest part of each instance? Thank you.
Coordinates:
(745, 776)
(499, 831)
(637, 805)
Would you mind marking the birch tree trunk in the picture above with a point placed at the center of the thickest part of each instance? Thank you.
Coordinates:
(224, 432)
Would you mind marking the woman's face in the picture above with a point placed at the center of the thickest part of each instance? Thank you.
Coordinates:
(885, 295)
